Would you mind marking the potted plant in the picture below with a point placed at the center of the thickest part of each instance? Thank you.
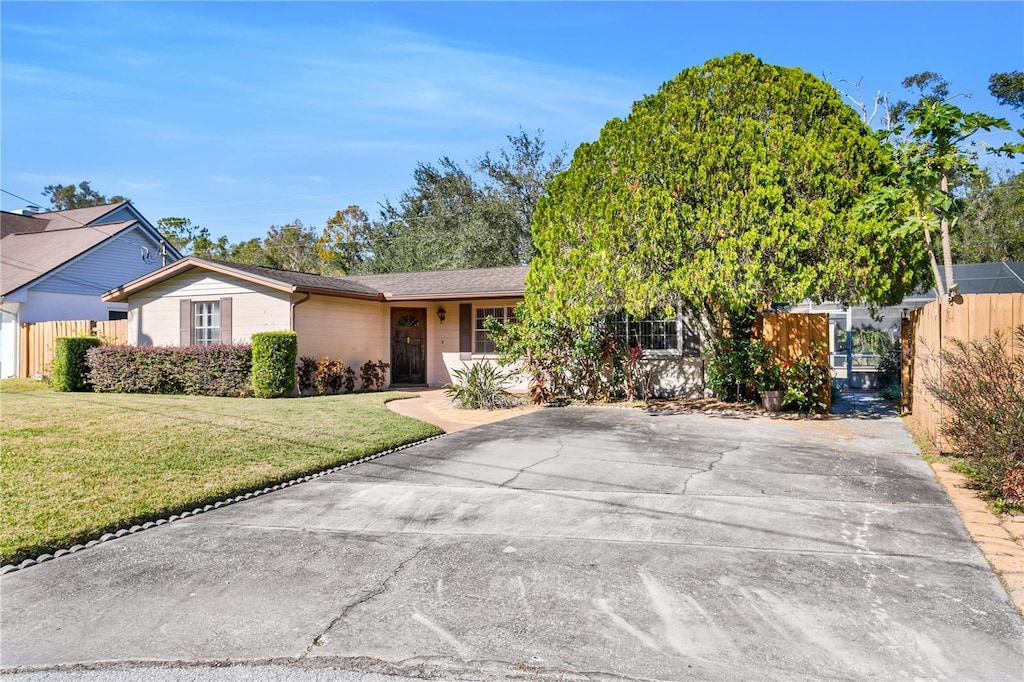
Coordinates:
(769, 377)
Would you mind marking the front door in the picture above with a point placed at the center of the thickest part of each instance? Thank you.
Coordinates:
(408, 345)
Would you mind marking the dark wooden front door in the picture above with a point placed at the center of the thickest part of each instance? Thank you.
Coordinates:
(408, 345)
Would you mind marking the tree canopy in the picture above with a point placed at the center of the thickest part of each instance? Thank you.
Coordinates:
(64, 197)
(457, 218)
(730, 188)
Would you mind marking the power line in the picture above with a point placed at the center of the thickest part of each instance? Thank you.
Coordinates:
(91, 227)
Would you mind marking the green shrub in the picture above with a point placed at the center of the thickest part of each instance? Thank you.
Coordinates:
(983, 388)
(70, 371)
(273, 363)
(480, 386)
(221, 370)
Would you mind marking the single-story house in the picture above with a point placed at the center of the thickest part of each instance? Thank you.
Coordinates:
(56, 264)
(425, 324)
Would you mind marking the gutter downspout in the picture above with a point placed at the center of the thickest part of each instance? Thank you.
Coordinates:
(296, 304)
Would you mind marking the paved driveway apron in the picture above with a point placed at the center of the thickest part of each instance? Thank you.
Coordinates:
(597, 543)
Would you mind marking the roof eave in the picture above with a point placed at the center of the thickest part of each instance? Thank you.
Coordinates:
(122, 293)
(458, 296)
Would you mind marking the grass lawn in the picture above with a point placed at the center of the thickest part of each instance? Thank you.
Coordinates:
(76, 465)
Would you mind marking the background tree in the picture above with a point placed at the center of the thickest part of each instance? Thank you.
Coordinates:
(1008, 88)
(343, 244)
(458, 218)
(520, 174)
(292, 247)
(991, 223)
(64, 197)
(182, 234)
(732, 187)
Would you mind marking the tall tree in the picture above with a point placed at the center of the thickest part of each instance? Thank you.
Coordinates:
(181, 233)
(64, 197)
(731, 187)
(292, 247)
(343, 244)
(458, 218)
(519, 175)
(445, 221)
(935, 150)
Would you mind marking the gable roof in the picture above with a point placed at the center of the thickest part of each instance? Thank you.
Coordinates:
(442, 284)
(34, 245)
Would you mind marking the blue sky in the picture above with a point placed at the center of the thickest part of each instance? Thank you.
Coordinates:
(240, 116)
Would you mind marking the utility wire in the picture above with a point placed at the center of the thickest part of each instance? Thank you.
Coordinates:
(91, 227)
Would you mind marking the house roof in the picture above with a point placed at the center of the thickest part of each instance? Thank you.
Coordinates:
(28, 254)
(442, 284)
(33, 245)
(510, 281)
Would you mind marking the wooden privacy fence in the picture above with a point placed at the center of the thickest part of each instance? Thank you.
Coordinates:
(37, 340)
(794, 336)
(931, 330)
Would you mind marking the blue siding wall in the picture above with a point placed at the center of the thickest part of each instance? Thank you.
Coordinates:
(116, 262)
(120, 215)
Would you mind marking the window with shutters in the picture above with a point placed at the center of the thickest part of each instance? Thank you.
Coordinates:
(205, 322)
(482, 342)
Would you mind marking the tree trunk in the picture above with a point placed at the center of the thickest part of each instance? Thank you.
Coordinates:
(947, 251)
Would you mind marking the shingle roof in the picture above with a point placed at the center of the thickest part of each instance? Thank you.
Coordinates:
(442, 284)
(300, 280)
(31, 246)
(447, 283)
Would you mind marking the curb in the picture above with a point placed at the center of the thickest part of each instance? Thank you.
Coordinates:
(107, 537)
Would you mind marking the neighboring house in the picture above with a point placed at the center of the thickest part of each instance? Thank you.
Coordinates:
(425, 324)
(56, 264)
(850, 327)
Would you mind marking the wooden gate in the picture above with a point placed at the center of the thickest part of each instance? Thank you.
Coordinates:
(795, 336)
(35, 345)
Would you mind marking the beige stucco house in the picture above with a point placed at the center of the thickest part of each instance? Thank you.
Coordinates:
(425, 324)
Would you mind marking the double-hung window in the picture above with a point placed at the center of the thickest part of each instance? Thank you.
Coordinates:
(482, 342)
(205, 323)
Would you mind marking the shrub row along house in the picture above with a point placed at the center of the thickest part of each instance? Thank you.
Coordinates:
(425, 324)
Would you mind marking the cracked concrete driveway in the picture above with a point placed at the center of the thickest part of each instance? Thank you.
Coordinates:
(570, 543)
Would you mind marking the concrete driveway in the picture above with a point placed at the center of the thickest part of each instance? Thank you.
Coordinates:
(570, 543)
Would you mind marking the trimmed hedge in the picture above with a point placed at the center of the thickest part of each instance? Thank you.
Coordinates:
(273, 363)
(69, 371)
(216, 370)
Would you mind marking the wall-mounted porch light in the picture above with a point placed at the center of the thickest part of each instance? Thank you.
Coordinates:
(440, 314)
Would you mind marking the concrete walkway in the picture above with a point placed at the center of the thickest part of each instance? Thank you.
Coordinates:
(431, 405)
(571, 543)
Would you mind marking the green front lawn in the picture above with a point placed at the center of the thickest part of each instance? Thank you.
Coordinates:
(76, 465)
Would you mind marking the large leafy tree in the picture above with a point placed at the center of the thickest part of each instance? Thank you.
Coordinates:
(63, 197)
(292, 247)
(731, 187)
(464, 217)
(342, 245)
